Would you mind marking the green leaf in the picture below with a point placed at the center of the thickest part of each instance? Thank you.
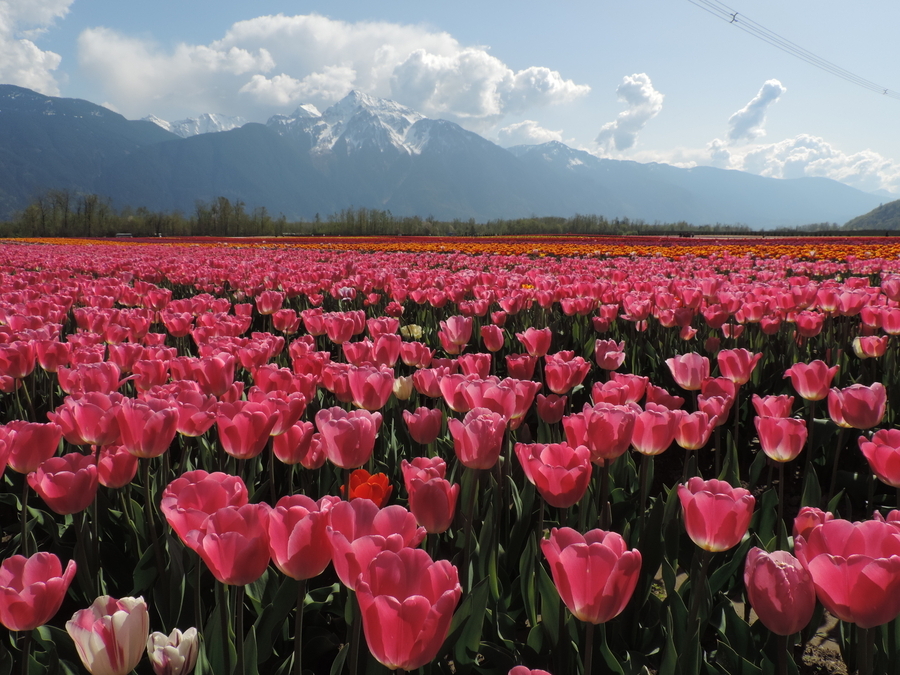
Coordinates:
(734, 664)
(719, 579)
(271, 619)
(465, 629)
(338, 666)
(669, 663)
(250, 659)
(550, 605)
(812, 492)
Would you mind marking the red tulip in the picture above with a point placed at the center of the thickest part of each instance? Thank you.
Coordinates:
(298, 541)
(424, 424)
(111, 634)
(192, 497)
(348, 437)
(560, 473)
(780, 591)
(855, 568)
(374, 487)
(234, 543)
(32, 590)
(478, 438)
(716, 515)
(689, 370)
(67, 484)
(595, 574)
(407, 601)
(811, 380)
(857, 406)
(883, 455)
(781, 438)
(359, 530)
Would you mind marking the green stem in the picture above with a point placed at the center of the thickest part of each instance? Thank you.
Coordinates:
(605, 510)
(698, 593)
(355, 637)
(588, 648)
(223, 624)
(779, 525)
(470, 516)
(239, 628)
(26, 650)
(298, 628)
(26, 549)
(781, 643)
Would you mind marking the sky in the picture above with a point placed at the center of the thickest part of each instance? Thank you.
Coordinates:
(644, 80)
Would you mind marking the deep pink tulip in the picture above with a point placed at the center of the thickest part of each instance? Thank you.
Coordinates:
(423, 468)
(117, 467)
(424, 424)
(111, 635)
(101, 377)
(286, 321)
(244, 427)
(595, 573)
(269, 302)
(562, 376)
(32, 590)
(560, 472)
(147, 427)
(215, 374)
(635, 385)
(522, 670)
(476, 364)
(807, 519)
(883, 455)
(407, 601)
(415, 354)
(609, 392)
(693, 430)
(716, 515)
(286, 408)
(432, 502)
(192, 497)
(689, 370)
(773, 406)
(551, 408)
(234, 543)
(811, 380)
(605, 430)
(521, 366)
(89, 419)
(293, 446)
(30, 444)
(781, 438)
(493, 337)
(67, 484)
(870, 346)
(737, 364)
(855, 568)
(716, 407)
(609, 354)
(348, 437)
(455, 333)
(535, 341)
(370, 387)
(498, 396)
(857, 406)
(654, 429)
(780, 590)
(359, 531)
(478, 438)
(298, 542)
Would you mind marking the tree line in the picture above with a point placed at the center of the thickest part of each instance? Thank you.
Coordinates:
(62, 213)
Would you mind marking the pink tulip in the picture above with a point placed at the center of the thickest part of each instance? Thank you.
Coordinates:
(855, 568)
(807, 519)
(551, 408)
(535, 341)
(660, 396)
(693, 431)
(407, 601)
(433, 502)
(111, 634)
(870, 347)
(780, 591)
(811, 380)
(90, 419)
(234, 543)
(737, 364)
(30, 444)
(689, 370)
(493, 337)
(857, 406)
(522, 670)
(455, 333)
(883, 455)
(359, 531)
(117, 467)
(298, 541)
(147, 427)
(781, 438)
(424, 424)
(521, 366)
(594, 573)
(562, 376)
(559, 472)
(67, 484)
(773, 406)
(654, 429)
(192, 497)
(370, 387)
(605, 430)
(348, 437)
(32, 590)
(423, 468)
(244, 427)
(478, 438)
(716, 515)
(609, 354)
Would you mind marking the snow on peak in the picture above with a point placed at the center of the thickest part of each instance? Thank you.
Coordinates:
(207, 123)
(359, 119)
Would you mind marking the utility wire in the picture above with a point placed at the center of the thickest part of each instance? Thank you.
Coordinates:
(732, 16)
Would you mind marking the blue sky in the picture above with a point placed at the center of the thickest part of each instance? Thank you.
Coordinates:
(648, 80)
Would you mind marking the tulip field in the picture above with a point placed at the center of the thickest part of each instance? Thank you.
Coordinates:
(511, 456)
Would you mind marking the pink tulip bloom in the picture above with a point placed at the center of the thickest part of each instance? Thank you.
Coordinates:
(521, 366)
(716, 515)
(773, 406)
(192, 497)
(594, 573)
(857, 406)
(424, 424)
(90, 419)
(635, 385)
(605, 430)
(32, 590)
(654, 429)
(423, 468)
(433, 502)
(550, 409)
(348, 437)
(562, 376)
(359, 531)
(535, 341)
(173, 654)
(811, 380)
(234, 543)
(456, 331)
(883, 454)
(559, 472)
(30, 444)
(780, 591)
(609, 354)
(478, 438)
(67, 484)
(298, 541)
(370, 387)
(147, 427)
(407, 601)
(807, 519)
(870, 347)
(244, 427)
(781, 438)
(693, 430)
(522, 670)
(689, 370)
(855, 568)
(117, 467)
(293, 446)
(662, 397)
(111, 634)
(493, 337)
(737, 364)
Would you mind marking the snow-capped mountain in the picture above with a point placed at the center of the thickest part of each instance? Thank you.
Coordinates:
(357, 121)
(207, 123)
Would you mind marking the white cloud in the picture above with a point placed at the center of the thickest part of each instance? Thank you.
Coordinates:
(747, 123)
(644, 103)
(285, 60)
(22, 62)
(527, 132)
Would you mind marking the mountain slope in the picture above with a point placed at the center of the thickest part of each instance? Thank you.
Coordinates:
(885, 217)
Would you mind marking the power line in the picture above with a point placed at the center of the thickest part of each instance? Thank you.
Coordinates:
(732, 16)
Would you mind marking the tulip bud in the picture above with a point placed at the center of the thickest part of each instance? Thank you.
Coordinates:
(175, 654)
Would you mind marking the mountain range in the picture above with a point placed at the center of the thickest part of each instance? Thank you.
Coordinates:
(369, 152)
